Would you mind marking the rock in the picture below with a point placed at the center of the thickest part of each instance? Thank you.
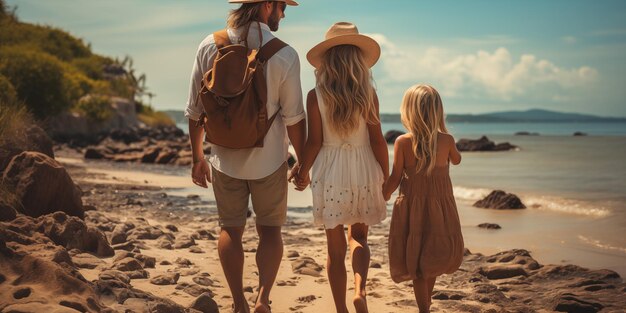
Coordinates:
(580, 134)
(183, 262)
(293, 254)
(392, 135)
(375, 265)
(205, 304)
(500, 200)
(95, 153)
(145, 232)
(127, 265)
(306, 266)
(165, 279)
(196, 249)
(203, 234)
(171, 227)
(525, 133)
(114, 275)
(183, 242)
(196, 290)
(42, 185)
(151, 155)
(86, 260)
(306, 299)
(515, 256)
(482, 144)
(166, 156)
(7, 212)
(503, 271)
(571, 303)
(67, 231)
(203, 281)
(489, 226)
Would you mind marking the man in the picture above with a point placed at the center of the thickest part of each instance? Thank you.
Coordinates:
(257, 173)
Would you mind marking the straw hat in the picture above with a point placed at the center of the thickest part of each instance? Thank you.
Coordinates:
(288, 2)
(344, 33)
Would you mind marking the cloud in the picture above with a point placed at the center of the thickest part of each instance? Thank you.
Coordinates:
(495, 75)
(569, 39)
(488, 40)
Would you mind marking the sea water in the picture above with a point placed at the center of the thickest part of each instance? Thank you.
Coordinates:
(574, 188)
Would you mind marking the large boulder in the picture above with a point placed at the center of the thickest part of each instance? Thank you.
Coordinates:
(483, 144)
(42, 185)
(500, 200)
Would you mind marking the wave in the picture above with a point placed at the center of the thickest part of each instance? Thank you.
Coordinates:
(555, 204)
(601, 245)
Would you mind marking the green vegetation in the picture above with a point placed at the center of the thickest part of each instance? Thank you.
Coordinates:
(50, 71)
(95, 107)
(14, 121)
(150, 117)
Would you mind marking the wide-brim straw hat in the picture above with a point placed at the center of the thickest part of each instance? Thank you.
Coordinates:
(288, 2)
(344, 33)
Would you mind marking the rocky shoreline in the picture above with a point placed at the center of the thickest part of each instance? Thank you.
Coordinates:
(142, 249)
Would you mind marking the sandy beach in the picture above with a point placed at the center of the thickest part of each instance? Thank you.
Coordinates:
(175, 229)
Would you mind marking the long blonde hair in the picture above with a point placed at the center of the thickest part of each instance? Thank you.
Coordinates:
(422, 115)
(246, 13)
(344, 82)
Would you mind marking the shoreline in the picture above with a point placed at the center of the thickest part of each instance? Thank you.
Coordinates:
(583, 249)
(163, 205)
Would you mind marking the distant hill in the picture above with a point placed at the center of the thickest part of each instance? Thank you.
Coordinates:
(529, 116)
(177, 115)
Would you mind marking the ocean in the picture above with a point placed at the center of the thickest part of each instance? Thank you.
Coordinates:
(574, 188)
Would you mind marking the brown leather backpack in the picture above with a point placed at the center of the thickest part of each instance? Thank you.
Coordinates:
(234, 93)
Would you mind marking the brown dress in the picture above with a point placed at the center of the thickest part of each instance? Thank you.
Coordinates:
(425, 237)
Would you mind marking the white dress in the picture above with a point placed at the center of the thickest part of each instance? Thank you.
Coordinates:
(346, 179)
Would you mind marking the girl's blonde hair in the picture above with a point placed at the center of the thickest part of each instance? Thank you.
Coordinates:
(242, 16)
(344, 82)
(422, 115)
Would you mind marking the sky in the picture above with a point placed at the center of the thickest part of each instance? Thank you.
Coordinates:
(482, 56)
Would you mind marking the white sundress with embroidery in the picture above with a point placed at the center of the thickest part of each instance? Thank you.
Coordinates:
(346, 179)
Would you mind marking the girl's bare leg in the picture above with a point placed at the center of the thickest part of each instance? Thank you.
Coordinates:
(422, 294)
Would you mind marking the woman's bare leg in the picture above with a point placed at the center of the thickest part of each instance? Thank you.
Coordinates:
(360, 256)
(336, 266)
(421, 289)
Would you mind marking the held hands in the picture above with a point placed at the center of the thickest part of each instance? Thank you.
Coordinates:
(386, 193)
(299, 180)
(201, 173)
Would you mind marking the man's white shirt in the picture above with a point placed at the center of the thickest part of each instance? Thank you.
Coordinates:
(284, 92)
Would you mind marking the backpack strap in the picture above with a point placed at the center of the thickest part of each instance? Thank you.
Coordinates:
(221, 38)
(269, 49)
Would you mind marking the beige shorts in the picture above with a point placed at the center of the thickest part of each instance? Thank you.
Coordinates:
(269, 198)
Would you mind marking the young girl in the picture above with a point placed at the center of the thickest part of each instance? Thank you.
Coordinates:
(425, 238)
(348, 154)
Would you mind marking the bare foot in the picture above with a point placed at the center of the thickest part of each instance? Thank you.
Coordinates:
(262, 308)
(244, 309)
(360, 304)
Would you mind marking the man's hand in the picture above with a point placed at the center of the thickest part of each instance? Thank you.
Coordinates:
(201, 173)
